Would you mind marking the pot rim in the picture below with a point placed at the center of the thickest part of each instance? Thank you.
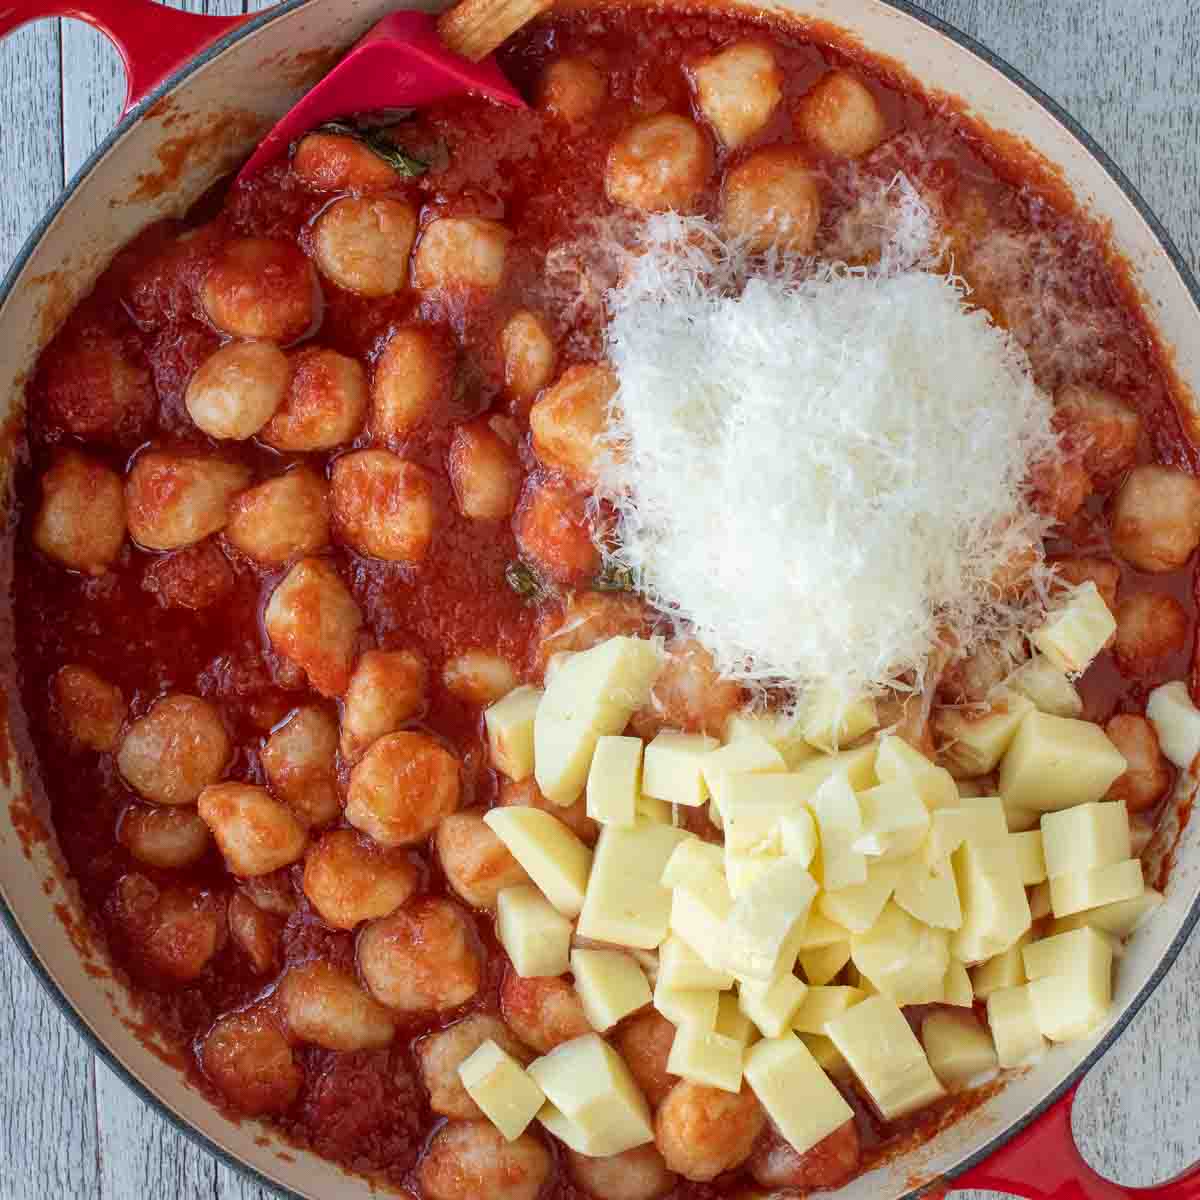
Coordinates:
(251, 26)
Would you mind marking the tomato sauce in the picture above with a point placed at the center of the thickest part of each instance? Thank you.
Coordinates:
(367, 1110)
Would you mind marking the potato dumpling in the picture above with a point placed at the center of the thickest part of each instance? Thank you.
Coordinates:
(96, 390)
(571, 89)
(333, 162)
(403, 787)
(1104, 426)
(424, 958)
(553, 533)
(644, 1042)
(479, 677)
(324, 1005)
(389, 688)
(689, 694)
(772, 199)
(255, 833)
(1148, 776)
(461, 252)
(543, 1012)
(349, 879)
(569, 419)
(80, 522)
(485, 472)
(237, 389)
(299, 761)
(467, 1160)
(248, 1059)
(1103, 572)
(282, 518)
(1150, 625)
(637, 1174)
(362, 244)
(738, 90)
(660, 162)
(702, 1131)
(261, 288)
(477, 864)
(441, 1053)
(255, 931)
(1059, 487)
(176, 750)
(830, 1163)
(196, 577)
(527, 794)
(169, 838)
(313, 621)
(1155, 518)
(840, 115)
(177, 499)
(176, 930)
(412, 381)
(382, 505)
(325, 404)
(529, 354)
(90, 708)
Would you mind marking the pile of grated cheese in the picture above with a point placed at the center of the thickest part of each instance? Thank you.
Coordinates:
(819, 469)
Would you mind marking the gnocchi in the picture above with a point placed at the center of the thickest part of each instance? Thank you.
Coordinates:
(298, 759)
(261, 288)
(771, 199)
(237, 389)
(388, 689)
(177, 499)
(325, 404)
(254, 832)
(485, 472)
(90, 708)
(568, 421)
(81, 520)
(362, 244)
(175, 751)
(282, 518)
(477, 864)
(349, 879)
(382, 505)
(660, 162)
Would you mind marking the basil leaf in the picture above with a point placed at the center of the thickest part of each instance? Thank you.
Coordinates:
(404, 164)
(523, 580)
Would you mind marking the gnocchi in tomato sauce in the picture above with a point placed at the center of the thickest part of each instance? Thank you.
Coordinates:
(308, 489)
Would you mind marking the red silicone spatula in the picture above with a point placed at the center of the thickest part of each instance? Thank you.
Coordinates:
(401, 63)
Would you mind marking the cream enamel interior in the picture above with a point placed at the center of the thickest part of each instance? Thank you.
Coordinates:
(255, 79)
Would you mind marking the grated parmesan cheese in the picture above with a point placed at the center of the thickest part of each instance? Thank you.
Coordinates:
(819, 469)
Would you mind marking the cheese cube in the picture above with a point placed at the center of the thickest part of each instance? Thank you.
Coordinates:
(983, 823)
(1072, 637)
(750, 755)
(625, 903)
(614, 781)
(1090, 889)
(929, 893)
(995, 907)
(681, 968)
(708, 1057)
(822, 1004)
(763, 929)
(857, 767)
(829, 1057)
(1176, 721)
(1118, 919)
(975, 742)
(957, 985)
(691, 1007)
(1004, 970)
(654, 812)
(1014, 1026)
(771, 1006)
(857, 908)
(692, 864)
(895, 821)
(610, 986)
(589, 1083)
(509, 725)
(839, 820)
(782, 730)
(1031, 857)
(1021, 820)
(1089, 835)
(885, 1056)
(960, 1050)
(1070, 983)
(571, 1134)
(830, 719)
(553, 857)
(821, 965)
(798, 1096)
(698, 917)
(1039, 901)
(672, 769)
(820, 931)
(535, 936)
(1048, 687)
(798, 837)
(732, 1022)
(592, 694)
(741, 870)
(1056, 763)
(505, 1093)
(898, 762)
(752, 806)
(903, 958)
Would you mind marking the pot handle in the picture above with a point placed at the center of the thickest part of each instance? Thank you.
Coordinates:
(153, 40)
(1043, 1163)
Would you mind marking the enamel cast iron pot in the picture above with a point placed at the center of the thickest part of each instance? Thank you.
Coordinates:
(202, 91)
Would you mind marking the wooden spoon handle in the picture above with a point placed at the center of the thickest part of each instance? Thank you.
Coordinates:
(474, 28)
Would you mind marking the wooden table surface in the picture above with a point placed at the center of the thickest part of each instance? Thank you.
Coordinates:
(1129, 70)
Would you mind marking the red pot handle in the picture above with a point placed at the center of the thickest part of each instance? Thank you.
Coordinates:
(154, 41)
(1043, 1163)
